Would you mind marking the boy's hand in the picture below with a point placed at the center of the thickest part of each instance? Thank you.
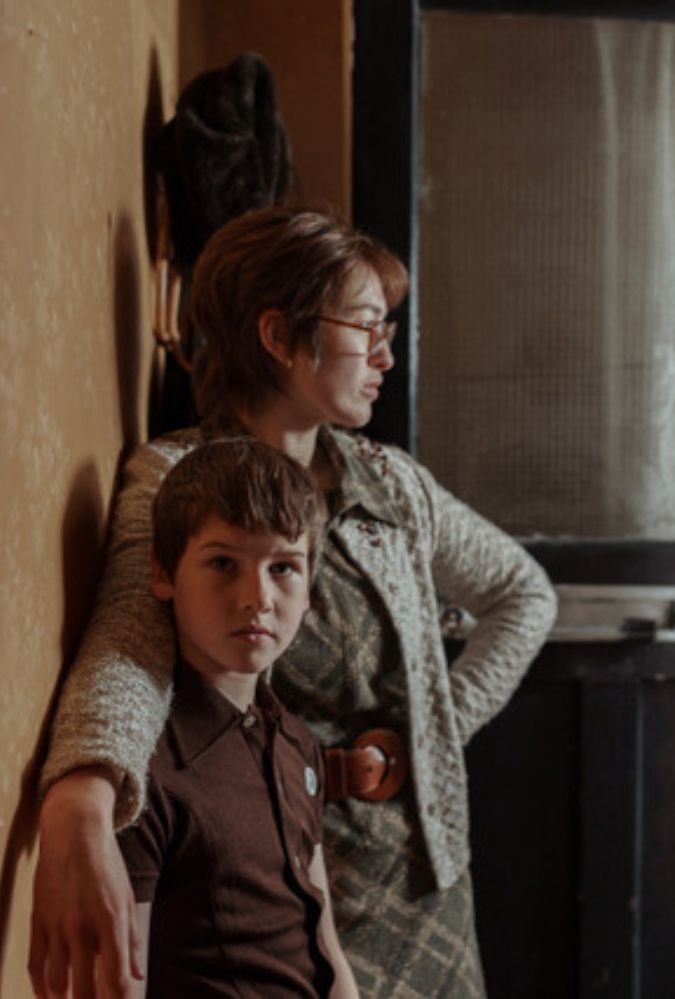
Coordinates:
(83, 925)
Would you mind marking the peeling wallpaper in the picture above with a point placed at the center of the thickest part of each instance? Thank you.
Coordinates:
(83, 86)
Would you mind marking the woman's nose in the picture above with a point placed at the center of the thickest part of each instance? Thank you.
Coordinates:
(382, 357)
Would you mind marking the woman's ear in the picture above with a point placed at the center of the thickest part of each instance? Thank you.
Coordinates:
(162, 587)
(274, 337)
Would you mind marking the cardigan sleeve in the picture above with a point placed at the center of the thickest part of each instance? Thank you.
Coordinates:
(115, 700)
(478, 567)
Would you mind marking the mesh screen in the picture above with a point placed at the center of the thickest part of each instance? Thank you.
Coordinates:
(547, 271)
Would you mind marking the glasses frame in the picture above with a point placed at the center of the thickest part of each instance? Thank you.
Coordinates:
(380, 331)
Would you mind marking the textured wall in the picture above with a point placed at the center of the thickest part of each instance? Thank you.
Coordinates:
(82, 90)
(547, 211)
(308, 47)
(84, 87)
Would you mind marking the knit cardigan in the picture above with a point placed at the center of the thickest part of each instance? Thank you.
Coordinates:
(431, 553)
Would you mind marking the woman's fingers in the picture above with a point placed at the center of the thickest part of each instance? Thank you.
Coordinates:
(136, 950)
(83, 960)
(37, 957)
(82, 897)
(115, 964)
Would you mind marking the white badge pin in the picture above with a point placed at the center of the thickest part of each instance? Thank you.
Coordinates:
(311, 782)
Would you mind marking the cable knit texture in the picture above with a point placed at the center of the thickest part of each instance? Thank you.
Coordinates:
(425, 551)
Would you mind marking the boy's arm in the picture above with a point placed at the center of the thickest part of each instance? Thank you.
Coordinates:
(344, 986)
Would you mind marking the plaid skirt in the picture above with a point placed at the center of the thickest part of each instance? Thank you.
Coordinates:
(402, 936)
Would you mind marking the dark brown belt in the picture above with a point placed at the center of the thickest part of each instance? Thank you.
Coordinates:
(374, 770)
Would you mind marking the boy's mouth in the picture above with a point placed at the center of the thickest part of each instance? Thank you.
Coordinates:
(252, 633)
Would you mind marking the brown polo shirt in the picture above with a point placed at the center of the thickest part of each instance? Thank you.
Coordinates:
(234, 810)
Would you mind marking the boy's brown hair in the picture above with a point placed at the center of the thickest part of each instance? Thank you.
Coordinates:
(289, 259)
(247, 484)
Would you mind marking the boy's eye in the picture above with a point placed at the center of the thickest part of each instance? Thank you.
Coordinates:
(283, 568)
(221, 563)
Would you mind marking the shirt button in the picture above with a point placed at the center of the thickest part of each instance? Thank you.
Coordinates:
(249, 721)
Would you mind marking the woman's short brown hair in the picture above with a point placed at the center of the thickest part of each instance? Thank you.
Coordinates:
(290, 259)
(244, 482)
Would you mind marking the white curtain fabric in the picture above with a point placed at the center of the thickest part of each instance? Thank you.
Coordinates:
(547, 271)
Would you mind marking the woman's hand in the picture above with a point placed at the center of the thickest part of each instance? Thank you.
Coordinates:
(83, 925)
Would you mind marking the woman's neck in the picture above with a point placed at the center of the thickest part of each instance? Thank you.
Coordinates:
(272, 426)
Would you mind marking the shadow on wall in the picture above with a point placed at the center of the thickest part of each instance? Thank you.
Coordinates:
(127, 330)
(81, 545)
(153, 122)
(84, 527)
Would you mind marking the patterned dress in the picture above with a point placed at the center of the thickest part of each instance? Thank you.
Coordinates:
(343, 675)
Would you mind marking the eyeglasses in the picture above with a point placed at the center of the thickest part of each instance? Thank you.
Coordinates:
(380, 331)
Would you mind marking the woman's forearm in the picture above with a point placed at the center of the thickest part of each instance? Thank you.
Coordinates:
(116, 696)
(83, 922)
(480, 568)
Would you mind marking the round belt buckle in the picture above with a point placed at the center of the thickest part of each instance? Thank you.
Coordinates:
(391, 745)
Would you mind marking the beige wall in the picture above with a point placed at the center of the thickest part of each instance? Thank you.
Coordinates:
(84, 86)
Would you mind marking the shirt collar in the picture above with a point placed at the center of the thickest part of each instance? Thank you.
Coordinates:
(200, 714)
(361, 465)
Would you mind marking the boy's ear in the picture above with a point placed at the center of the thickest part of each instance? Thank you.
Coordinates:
(273, 334)
(162, 587)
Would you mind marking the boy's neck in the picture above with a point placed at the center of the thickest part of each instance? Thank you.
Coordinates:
(238, 688)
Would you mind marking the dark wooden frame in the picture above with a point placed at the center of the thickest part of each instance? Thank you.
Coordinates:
(572, 786)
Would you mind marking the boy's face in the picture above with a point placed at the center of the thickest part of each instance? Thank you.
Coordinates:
(238, 597)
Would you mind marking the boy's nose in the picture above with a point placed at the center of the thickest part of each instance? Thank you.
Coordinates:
(254, 592)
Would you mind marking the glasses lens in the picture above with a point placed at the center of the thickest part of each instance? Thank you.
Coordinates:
(380, 335)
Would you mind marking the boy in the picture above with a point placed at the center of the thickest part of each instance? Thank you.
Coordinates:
(226, 861)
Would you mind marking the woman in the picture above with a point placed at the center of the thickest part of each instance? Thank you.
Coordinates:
(293, 306)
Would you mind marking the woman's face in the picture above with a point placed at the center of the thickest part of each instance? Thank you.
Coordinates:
(340, 381)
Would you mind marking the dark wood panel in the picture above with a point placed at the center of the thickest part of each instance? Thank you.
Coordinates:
(523, 771)
(383, 185)
(649, 10)
(657, 809)
(610, 561)
(609, 888)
